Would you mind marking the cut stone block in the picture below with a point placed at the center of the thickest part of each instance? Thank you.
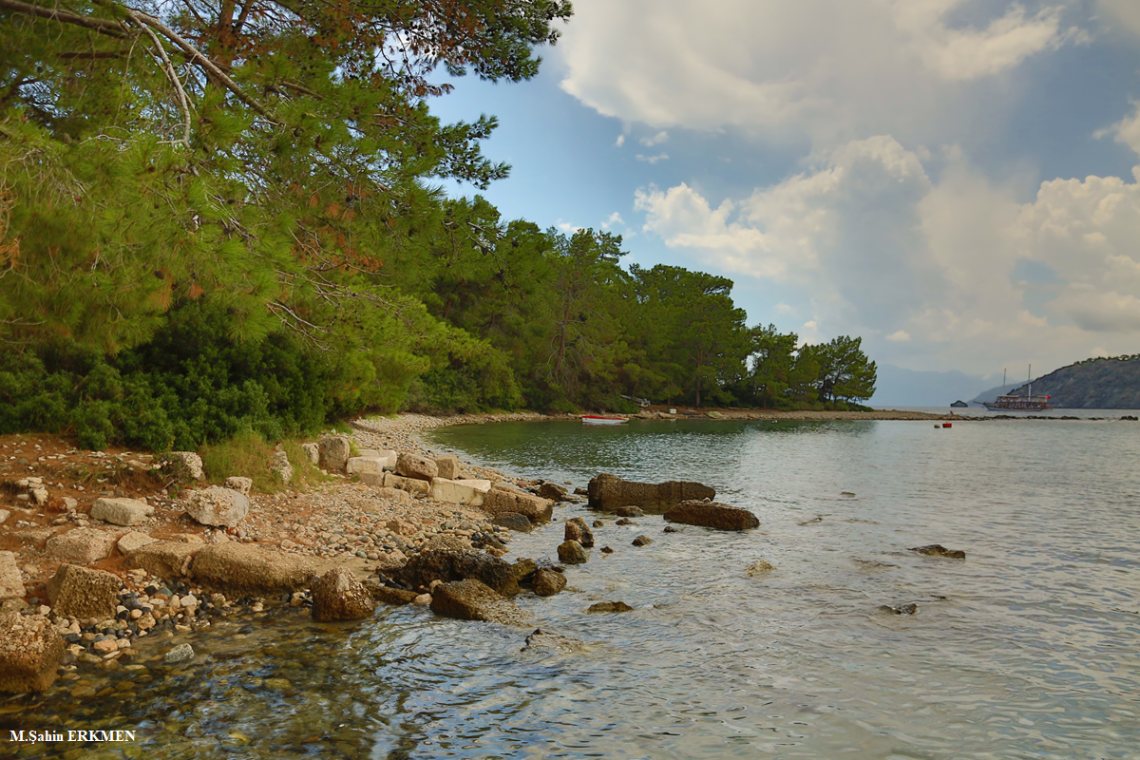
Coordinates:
(121, 511)
(459, 491)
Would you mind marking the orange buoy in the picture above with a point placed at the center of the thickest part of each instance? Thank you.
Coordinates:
(946, 424)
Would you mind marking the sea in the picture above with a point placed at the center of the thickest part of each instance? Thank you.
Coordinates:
(1029, 647)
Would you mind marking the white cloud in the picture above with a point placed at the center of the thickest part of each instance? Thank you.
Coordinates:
(615, 218)
(656, 139)
(567, 227)
(925, 269)
(1123, 12)
(653, 159)
(620, 141)
(831, 69)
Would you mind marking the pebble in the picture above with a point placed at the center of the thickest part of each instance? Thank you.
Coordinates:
(180, 653)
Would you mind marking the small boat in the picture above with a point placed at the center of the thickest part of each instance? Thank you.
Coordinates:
(1017, 403)
(959, 405)
(593, 419)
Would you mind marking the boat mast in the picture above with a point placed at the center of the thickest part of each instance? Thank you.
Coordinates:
(1029, 377)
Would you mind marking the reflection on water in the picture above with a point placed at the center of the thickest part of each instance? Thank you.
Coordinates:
(1026, 649)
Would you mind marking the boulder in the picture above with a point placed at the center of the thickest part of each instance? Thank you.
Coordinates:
(447, 565)
(337, 595)
(514, 521)
(610, 607)
(164, 559)
(938, 550)
(552, 491)
(83, 546)
(448, 542)
(188, 465)
(535, 508)
(417, 467)
(642, 541)
(388, 480)
(121, 511)
(541, 639)
(710, 514)
(359, 465)
(577, 530)
(133, 540)
(218, 506)
(11, 582)
(459, 491)
(31, 651)
(83, 592)
(608, 491)
(758, 567)
(628, 511)
(239, 484)
(281, 467)
(313, 452)
(472, 600)
(448, 466)
(387, 595)
(334, 451)
(548, 582)
(572, 553)
(247, 568)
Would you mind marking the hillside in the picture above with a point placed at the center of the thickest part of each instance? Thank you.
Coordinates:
(1092, 384)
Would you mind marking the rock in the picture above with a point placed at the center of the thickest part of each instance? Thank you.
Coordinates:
(758, 567)
(541, 639)
(607, 550)
(388, 595)
(83, 592)
(164, 559)
(608, 491)
(60, 504)
(244, 567)
(337, 595)
(572, 553)
(524, 569)
(902, 609)
(548, 582)
(358, 465)
(218, 506)
(472, 600)
(180, 653)
(447, 542)
(499, 500)
(577, 530)
(938, 550)
(628, 511)
(710, 514)
(625, 521)
(334, 452)
(281, 467)
(188, 465)
(610, 607)
(239, 484)
(121, 511)
(422, 600)
(133, 540)
(83, 546)
(402, 527)
(445, 565)
(11, 582)
(552, 491)
(394, 494)
(416, 467)
(31, 651)
(459, 491)
(513, 521)
(448, 466)
(670, 529)
(313, 452)
(388, 480)
(642, 541)
(4, 513)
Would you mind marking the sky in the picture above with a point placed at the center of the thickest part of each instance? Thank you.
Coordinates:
(954, 181)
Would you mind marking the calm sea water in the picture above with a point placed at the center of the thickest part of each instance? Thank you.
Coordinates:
(1028, 648)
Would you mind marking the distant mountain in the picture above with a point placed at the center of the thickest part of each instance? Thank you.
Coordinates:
(896, 386)
(1092, 384)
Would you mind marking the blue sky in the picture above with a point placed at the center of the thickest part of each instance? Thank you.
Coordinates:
(952, 180)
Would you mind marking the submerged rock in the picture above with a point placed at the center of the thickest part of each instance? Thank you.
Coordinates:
(31, 651)
(541, 639)
(337, 595)
(577, 530)
(758, 567)
(610, 607)
(548, 582)
(710, 514)
(938, 550)
(572, 553)
(642, 541)
(472, 600)
(180, 653)
(446, 565)
(628, 511)
(607, 491)
(514, 521)
(902, 609)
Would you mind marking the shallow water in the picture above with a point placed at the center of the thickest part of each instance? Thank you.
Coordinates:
(1026, 649)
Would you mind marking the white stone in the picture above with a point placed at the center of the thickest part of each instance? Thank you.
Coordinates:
(134, 540)
(121, 511)
(4, 513)
(11, 582)
(358, 465)
(313, 451)
(218, 506)
(191, 461)
(239, 484)
(459, 491)
(279, 465)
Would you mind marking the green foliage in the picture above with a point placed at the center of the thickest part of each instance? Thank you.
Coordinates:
(246, 454)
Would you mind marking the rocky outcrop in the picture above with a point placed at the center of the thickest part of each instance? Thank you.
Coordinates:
(548, 582)
(334, 452)
(552, 491)
(1091, 384)
(164, 559)
(577, 530)
(710, 514)
(938, 550)
(11, 582)
(83, 546)
(187, 465)
(218, 506)
(472, 600)
(607, 492)
(514, 521)
(446, 565)
(337, 595)
(416, 467)
(121, 511)
(535, 508)
(31, 651)
(247, 568)
(572, 553)
(83, 592)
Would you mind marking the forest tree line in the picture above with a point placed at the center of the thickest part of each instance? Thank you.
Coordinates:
(223, 215)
